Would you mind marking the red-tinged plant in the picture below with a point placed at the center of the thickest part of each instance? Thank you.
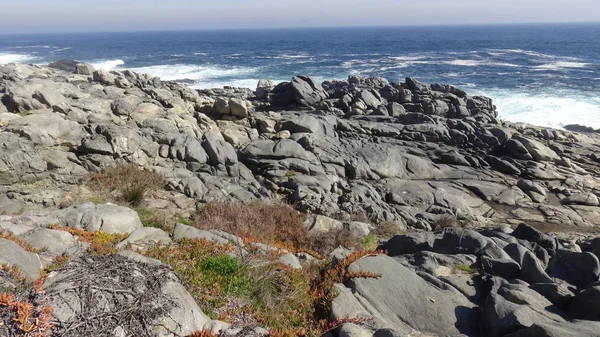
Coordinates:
(202, 333)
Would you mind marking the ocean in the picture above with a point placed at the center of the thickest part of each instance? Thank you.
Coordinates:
(547, 75)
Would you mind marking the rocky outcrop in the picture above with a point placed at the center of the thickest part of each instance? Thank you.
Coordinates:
(406, 156)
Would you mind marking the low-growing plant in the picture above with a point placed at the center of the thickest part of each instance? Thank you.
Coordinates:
(445, 221)
(369, 242)
(466, 268)
(256, 287)
(21, 243)
(100, 242)
(129, 182)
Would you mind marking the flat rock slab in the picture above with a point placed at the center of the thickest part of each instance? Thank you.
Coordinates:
(13, 255)
(405, 299)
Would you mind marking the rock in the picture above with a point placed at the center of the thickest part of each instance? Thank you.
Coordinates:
(290, 260)
(121, 107)
(53, 242)
(586, 199)
(410, 243)
(532, 270)
(144, 238)
(395, 109)
(103, 77)
(47, 129)
(557, 293)
(13, 255)
(578, 269)
(263, 88)
(416, 304)
(538, 151)
(84, 69)
(505, 268)
(66, 65)
(531, 234)
(586, 305)
(518, 150)
(239, 108)
(153, 292)
(301, 90)
(107, 218)
(353, 330)
(216, 327)
(319, 224)
(560, 329)
(460, 241)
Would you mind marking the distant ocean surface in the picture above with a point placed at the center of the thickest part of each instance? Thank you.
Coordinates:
(546, 75)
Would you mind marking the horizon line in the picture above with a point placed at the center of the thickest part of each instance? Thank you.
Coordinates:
(304, 27)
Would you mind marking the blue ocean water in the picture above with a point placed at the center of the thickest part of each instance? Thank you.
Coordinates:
(541, 74)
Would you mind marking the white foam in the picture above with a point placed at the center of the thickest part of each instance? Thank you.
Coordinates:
(107, 64)
(18, 58)
(562, 65)
(197, 73)
(556, 109)
(478, 63)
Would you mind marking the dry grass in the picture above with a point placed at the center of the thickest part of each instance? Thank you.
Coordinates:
(445, 221)
(125, 183)
(272, 223)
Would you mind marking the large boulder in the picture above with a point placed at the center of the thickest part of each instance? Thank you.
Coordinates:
(538, 151)
(47, 129)
(578, 269)
(586, 305)
(99, 294)
(302, 90)
(108, 218)
(415, 304)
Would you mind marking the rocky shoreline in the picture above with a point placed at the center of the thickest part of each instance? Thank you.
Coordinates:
(478, 193)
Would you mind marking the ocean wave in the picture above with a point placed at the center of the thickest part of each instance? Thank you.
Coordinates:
(107, 64)
(19, 58)
(34, 46)
(554, 108)
(478, 63)
(196, 72)
(563, 65)
(61, 49)
(535, 54)
(201, 54)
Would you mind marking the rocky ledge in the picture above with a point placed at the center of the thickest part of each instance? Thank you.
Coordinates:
(411, 157)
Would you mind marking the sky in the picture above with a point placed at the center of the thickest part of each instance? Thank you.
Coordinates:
(35, 16)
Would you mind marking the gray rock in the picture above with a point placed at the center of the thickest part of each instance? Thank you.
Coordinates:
(586, 199)
(526, 232)
(578, 269)
(586, 305)
(13, 255)
(263, 88)
(532, 270)
(560, 329)
(103, 77)
(410, 243)
(353, 330)
(416, 303)
(144, 238)
(239, 108)
(460, 241)
(108, 218)
(53, 242)
(84, 69)
(538, 151)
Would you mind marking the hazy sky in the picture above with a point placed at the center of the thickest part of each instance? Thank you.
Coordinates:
(117, 15)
